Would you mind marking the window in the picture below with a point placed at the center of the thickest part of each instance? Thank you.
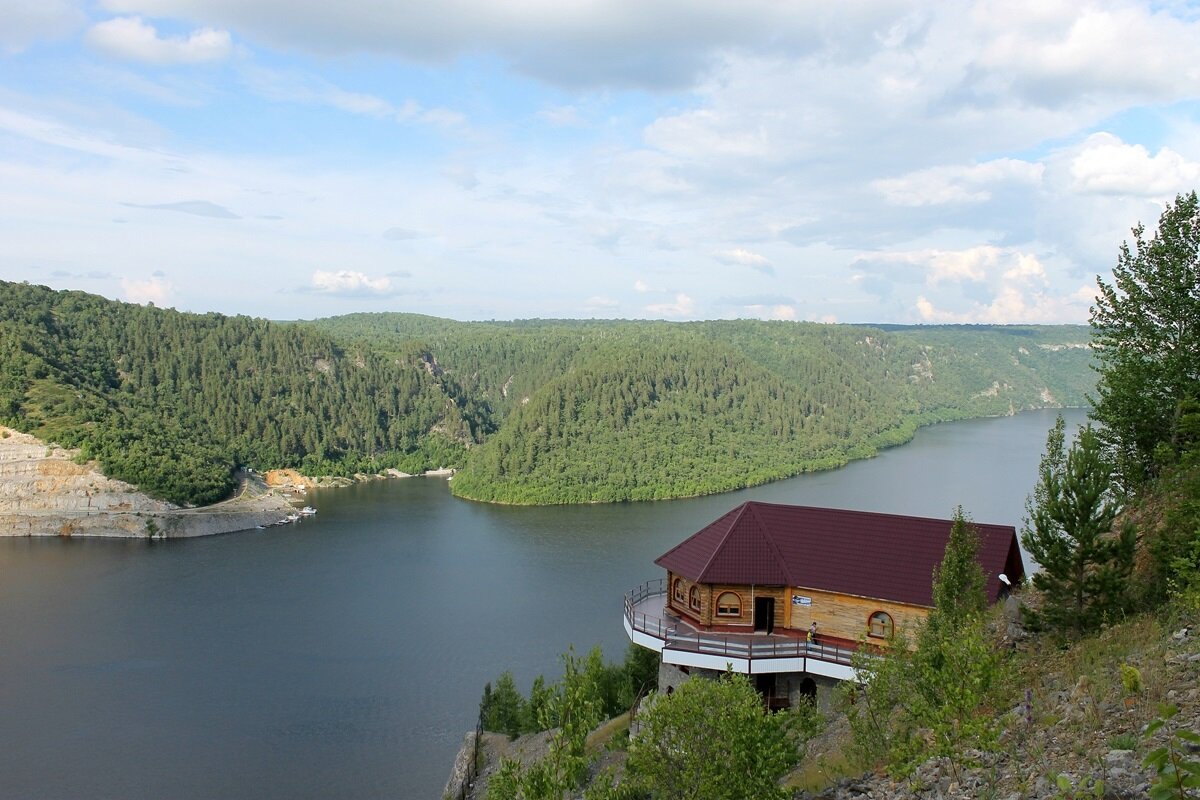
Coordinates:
(880, 625)
(729, 605)
(694, 598)
(677, 589)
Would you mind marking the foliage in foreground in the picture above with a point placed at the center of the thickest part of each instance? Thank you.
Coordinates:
(712, 740)
(574, 709)
(937, 698)
(1146, 335)
(1178, 770)
(1084, 564)
(959, 585)
(618, 685)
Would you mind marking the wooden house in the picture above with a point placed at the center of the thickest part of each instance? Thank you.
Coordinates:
(744, 591)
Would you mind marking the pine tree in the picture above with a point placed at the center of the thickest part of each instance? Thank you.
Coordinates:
(1085, 564)
(1146, 335)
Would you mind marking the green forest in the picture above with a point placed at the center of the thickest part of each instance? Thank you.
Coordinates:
(174, 402)
(534, 411)
(589, 411)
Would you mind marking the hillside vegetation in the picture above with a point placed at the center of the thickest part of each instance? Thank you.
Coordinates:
(1083, 682)
(172, 402)
(618, 410)
(530, 412)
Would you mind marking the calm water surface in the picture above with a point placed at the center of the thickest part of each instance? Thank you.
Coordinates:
(344, 656)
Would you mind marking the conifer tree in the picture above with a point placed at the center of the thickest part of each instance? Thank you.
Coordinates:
(1085, 564)
(933, 699)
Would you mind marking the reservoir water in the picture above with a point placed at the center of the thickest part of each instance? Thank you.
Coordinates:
(344, 656)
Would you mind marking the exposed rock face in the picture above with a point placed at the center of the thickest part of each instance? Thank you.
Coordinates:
(40, 478)
(286, 479)
(463, 773)
(43, 492)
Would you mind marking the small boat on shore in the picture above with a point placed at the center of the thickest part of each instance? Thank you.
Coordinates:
(308, 511)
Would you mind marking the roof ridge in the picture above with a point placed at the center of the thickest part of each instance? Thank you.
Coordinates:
(766, 533)
(737, 512)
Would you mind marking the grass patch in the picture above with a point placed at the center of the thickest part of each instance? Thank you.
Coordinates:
(613, 732)
(817, 774)
(1123, 741)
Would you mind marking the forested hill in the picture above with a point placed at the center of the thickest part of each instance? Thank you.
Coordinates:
(617, 410)
(532, 411)
(173, 402)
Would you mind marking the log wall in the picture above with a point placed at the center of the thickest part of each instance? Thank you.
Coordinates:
(838, 616)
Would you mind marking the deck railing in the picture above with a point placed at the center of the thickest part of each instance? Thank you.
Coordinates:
(738, 646)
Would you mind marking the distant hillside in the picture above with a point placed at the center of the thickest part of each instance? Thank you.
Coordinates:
(532, 411)
(172, 402)
(619, 410)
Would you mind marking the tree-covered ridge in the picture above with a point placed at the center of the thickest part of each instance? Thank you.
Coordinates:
(623, 410)
(653, 422)
(566, 411)
(173, 401)
(1053, 363)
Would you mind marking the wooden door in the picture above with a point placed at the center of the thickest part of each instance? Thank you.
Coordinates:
(764, 614)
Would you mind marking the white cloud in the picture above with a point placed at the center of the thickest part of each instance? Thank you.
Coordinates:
(935, 266)
(683, 306)
(151, 290)
(1026, 270)
(350, 284)
(199, 208)
(44, 130)
(746, 258)
(561, 116)
(600, 303)
(957, 184)
(1106, 165)
(132, 39)
(29, 21)
(912, 133)
(1056, 49)
(965, 265)
(412, 111)
(293, 86)
(663, 43)
(983, 284)
(783, 312)
(1012, 305)
(397, 234)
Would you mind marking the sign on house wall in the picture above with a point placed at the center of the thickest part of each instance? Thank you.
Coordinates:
(801, 600)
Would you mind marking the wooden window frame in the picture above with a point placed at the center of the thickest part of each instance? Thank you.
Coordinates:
(694, 598)
(721, 613)
(891, 625)
(677, 593)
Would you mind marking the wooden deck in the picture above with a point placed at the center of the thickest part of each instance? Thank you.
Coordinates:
(646, 612)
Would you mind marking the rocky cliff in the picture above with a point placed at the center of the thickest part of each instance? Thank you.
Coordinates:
(44, 491)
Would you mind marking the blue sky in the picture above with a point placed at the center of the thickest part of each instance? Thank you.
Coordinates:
(870, 162)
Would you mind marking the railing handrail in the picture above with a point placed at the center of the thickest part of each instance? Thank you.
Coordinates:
(778, 647)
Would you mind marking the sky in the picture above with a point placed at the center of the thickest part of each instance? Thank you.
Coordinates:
(973, 161)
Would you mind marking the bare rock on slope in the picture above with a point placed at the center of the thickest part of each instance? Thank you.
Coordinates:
(45, 492)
